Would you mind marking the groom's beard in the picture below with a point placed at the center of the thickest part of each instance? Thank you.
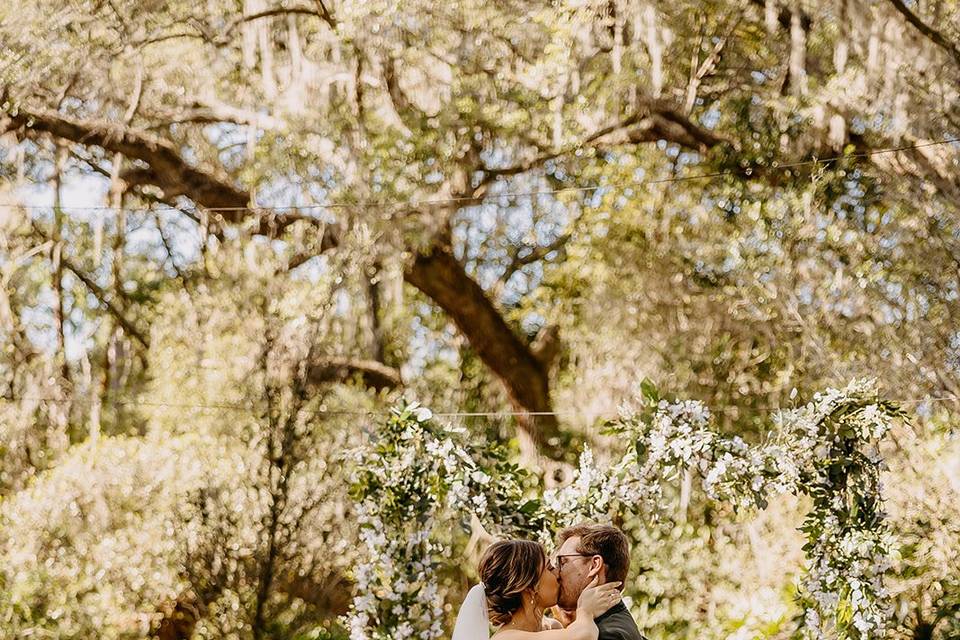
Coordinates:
(567, 600)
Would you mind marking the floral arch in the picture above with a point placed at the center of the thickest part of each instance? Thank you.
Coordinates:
(418, 477)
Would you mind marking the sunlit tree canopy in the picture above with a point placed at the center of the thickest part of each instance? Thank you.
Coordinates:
(233, 234)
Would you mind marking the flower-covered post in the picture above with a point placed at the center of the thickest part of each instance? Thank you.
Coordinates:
(397, 494)
(836, 448)
(415, 476)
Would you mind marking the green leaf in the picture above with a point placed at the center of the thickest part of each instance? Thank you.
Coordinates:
(530, 507)
(649, 391)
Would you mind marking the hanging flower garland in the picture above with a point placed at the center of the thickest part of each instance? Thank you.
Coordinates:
(418, 473)
(827, 449)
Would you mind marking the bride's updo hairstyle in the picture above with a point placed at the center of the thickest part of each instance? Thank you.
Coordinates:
(507, 569)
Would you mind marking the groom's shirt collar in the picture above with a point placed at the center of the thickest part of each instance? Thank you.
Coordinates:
(609, 612)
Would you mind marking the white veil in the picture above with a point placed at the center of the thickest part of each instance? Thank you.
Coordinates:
(472, 620)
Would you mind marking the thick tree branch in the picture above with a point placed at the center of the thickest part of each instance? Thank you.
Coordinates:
(546, 346)
(323, 14)
(206, 33)
(212, 112)
(667, 125)
(932, 34)
(168, 169)
(533, 254)
(169, 36)
(373, 374)
(916, 159)
(656, 120)
(411, 117)
(439, 275)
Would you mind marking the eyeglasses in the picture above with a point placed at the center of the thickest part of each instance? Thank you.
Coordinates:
(554, 562)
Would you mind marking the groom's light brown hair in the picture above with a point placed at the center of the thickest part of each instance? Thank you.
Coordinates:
(605, 541)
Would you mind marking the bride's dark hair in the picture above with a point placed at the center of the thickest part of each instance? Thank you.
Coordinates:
(507, 569)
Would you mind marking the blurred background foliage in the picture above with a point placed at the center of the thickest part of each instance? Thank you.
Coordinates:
(233, 231)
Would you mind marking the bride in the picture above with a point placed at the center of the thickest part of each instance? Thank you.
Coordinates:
(517, 584)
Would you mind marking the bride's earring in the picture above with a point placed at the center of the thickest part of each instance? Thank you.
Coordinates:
(538, 611)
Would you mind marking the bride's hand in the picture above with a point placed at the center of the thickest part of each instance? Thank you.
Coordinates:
(550, 623)
(596, 599)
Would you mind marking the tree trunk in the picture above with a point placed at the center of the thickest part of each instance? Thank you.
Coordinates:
(442, 278)
(375, 307)
(113, 353)
(56, 253)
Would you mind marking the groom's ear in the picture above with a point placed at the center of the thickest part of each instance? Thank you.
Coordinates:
(596, 566)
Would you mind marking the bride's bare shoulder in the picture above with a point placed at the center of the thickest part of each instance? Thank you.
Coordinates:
(514, 634)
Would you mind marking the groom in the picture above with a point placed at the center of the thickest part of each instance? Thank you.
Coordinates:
(584, 551)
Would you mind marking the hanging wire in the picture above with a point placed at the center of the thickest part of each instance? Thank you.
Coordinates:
(747, 171)
(372, 413)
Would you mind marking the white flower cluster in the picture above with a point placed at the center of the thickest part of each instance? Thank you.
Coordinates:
(402, 477)
(397, 592)
(845, 576)
(588, 497)
(836, 447)
(414, 472)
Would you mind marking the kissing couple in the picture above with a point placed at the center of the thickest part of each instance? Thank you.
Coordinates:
(581, 581)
